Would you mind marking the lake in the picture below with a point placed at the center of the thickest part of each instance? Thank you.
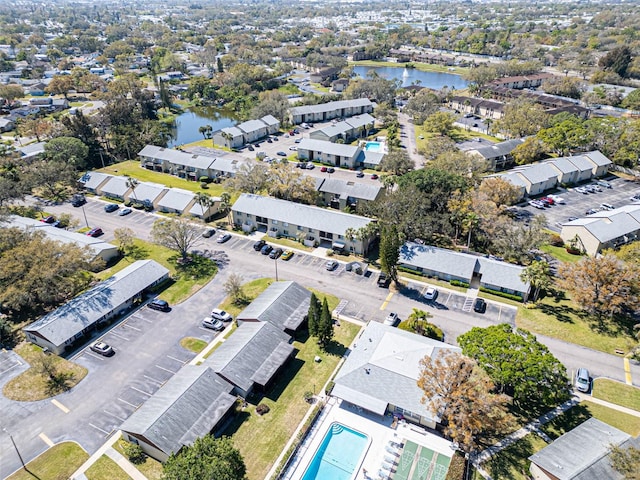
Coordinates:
(407, 76)
(187, 123)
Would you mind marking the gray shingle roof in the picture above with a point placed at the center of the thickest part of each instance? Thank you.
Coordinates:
(383, 367)
(176, 157)
(344, 189)
(284, 304)
(87, 308)
(610, 224)
(298, 214)
(188, 406)
(270, 120)
(148, 191)
(573, 454)
(115, 186)
(253, 351)
(233, 131)
(538, 173)
(330, 106)
(329, 148)
(515, 179)
(598, 158)
(251, 125)
(177, 199)
(92, 180)
(564, 165)
(499, 149)
(502, 274)
(581, 162)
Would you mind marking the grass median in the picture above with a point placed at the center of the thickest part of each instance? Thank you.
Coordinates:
(57, 463)
(617, 393)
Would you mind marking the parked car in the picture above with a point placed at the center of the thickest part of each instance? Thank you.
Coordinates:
(209, 232)
(323, 169)
(212, 323)
(111, 207)
(604, 183)
(95, 232)
(158, 304)
(310, 166)
(221, 315)
(287, 255)
(591, 211)
(571, 219)
(383, 280)
(635, 198)
(78, 200)
(547, 200)
(374, 176)
(48, 219)
(269, 140)
(536, 204)
(331, 170)
(250, 148)
(258, 245)
(592, 188)
(225, 237)
(582, 382)
(275, 253)
(582, 190)
(281, 154)
(102, 348)
(293, 148)
(124, 211)
(301, 165)
(480, 305)
(431, 293)
(607, 206)
(266, 249)
(556, 198)
(360, 174)
(331, 265)
(297, 140)
(392, 319)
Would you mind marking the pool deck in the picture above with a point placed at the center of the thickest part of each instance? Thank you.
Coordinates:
(383, 439)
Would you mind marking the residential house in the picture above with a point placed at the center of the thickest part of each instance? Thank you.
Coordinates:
(538, 177)
(193, 403)
(313, 225)
(230, 137)
(283, 304)
(330, 110)
(340, 194)
(582, 453)
(478, 106)
(325, 76)
(37, 90)
(340, 85)
(32, 151)
(600, 161)
(176, 201)
(64, 327)
(498, 156)
(337, 154)
(463, 267)
(191, 166)
(147, 193)
(347, 130)
(602, 230)
(100, 248)
(381, 371)
(6, 124)
(247, 132)
(93, 181)
(115, 188)
(251, 358)
(205, 214)
(568, 173)
(585, 167)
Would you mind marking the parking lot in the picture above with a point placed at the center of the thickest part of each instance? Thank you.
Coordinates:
(577, 204)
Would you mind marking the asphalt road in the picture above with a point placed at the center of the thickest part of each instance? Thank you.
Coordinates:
(148, 351)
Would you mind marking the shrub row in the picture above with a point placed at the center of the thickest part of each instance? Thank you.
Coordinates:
(458, 283)
(510, 296)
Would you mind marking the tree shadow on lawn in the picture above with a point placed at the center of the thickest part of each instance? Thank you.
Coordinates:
(567, 421)
(198, 268)
(512, 458)
(283, 379)
(239, 417)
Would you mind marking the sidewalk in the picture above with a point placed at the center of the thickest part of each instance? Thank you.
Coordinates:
(108, 450)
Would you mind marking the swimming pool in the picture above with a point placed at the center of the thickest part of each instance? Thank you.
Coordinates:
(373, 146)
(339, 454)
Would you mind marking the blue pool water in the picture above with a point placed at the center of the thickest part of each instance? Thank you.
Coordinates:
(373, 146)
(338, 456)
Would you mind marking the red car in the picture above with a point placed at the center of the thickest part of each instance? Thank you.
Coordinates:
(323, 169)
(374, 177)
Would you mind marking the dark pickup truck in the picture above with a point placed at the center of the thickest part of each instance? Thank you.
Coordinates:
(383, 280)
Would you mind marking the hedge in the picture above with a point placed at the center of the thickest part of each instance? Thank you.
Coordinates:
(458, 283)
(510, 296)
(410, 270)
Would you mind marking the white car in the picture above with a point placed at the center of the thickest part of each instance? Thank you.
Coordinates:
(431, 293)
(212, 323)
(221, 315)
(556, 198)
(392, 319)
(536, 204)
(582, 190)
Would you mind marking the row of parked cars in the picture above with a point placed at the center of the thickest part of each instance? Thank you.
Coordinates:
(265, 249)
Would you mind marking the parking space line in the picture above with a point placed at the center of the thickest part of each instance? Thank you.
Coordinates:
(141, 391)
(119, 336)
(386, 301)
(166, 369)
(153, 379)
(98, 428)
(448, 298)
(177, 359)
(128, 403)
(499, 312)
(627, 371)
(60, 406)
(46, 440)
(114, 415)
(129, 326)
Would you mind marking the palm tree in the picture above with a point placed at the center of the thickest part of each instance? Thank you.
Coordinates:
(132, 183)
(538, 275)
(225, 205)
(203, 131)
(205, 202)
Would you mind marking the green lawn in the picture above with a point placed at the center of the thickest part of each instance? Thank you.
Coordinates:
(106, 469)
(617, 392)
(260, 439)
(511, 463)
(193, 344)
(151, 468)
(251, 290)
(57, 463)
(584, 411)
(133, 169)
(560, 253)
(563, 319)
(187, 279)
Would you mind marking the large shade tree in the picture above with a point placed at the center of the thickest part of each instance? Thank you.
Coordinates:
(177, 234)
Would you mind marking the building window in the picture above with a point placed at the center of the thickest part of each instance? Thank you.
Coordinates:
(286, 232)
(300, 229)
(285, 224)
(274, 222)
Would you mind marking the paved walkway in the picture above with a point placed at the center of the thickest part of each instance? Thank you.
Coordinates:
(534, 427)
(108, 450)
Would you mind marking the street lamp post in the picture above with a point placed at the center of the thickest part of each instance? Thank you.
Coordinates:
(275, 261)
(85, 216)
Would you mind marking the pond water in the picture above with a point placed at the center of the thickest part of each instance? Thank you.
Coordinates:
(187, 123)
(407, 76)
